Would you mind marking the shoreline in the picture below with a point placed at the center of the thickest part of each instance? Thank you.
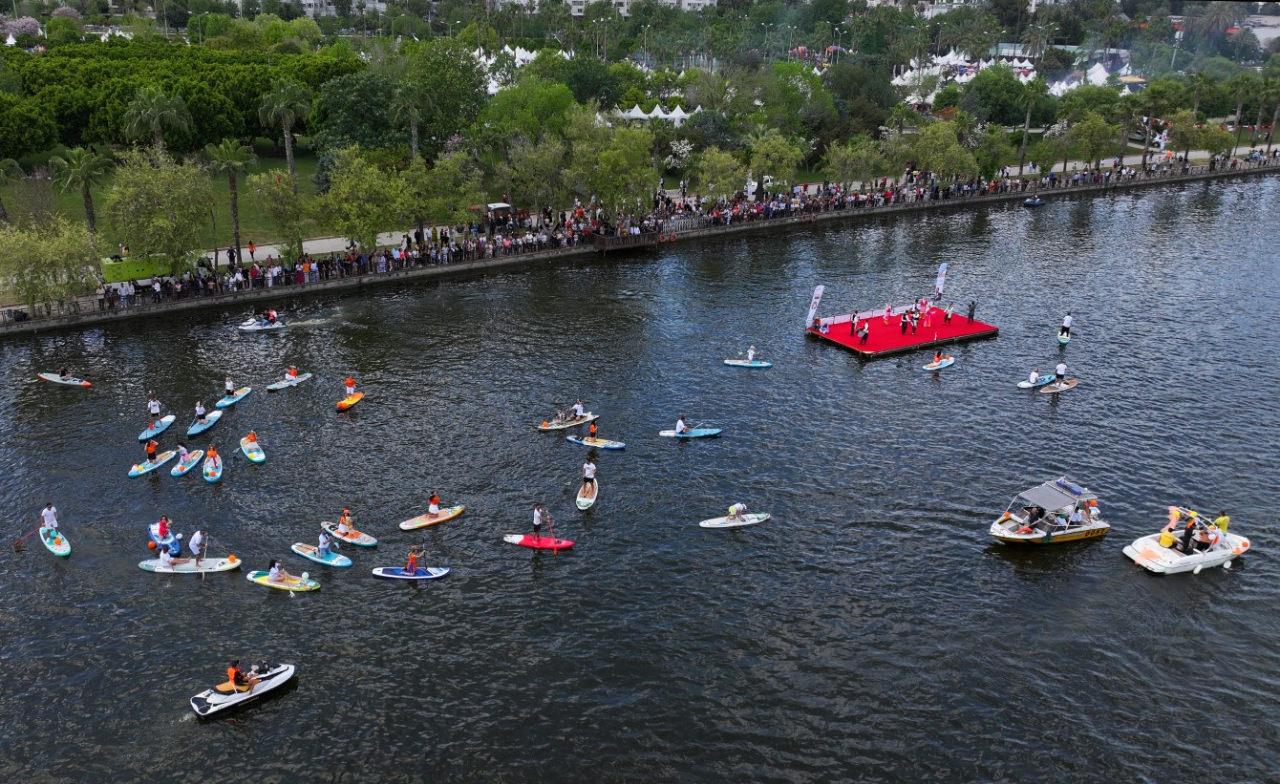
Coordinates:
(63, 321)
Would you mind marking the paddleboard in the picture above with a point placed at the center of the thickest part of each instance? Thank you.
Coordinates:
(748, 363)
(55, 541)
(945, 363)
(235, 397)
(253, 450)
(696, 432)
(224, 697)
(537, 542)
(1064, 339)
(1054, 388)
(584, 502)
(253, 325)
(147, 467)
(349, 401)
(358, 538)
(421, 573)
(312, 553)
(160, 427)
(568, 423)
(188, 566)
(290, 383)
(725, 522)
(1044, 378)
(210, 419)
(212, 470)
(183, 466)
(445, 514)
(69, 381)
(598, 443)
(263, 577)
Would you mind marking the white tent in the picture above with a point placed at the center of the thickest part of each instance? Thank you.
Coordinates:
(11, 41)
(636, 113)
(1097, 74)
(657, 112)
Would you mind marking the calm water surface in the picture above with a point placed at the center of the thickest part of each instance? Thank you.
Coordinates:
(869, 632)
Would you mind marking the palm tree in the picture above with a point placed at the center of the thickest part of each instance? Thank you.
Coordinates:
(81, 168)
(1241, 86)
(152, 112)
(1211, 20)
(286, 103)
(231, 158)
(1036, 40)
(9, 170)
(1198, 82)
(409, 107)
(900, 115)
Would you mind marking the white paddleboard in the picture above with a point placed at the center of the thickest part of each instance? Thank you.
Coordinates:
(726, 522)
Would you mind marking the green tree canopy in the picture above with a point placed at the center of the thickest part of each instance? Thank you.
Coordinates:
(156, 205)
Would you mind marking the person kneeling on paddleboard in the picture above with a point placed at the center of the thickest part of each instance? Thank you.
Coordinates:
(1034, 377)
(271, 316)
(937, 357)
(736, 511)
(344, 521)
(290, 373)
(681, 426)
(578, 410)
(433, 504)
(276, 573)
(751, 353)
(64, 374)
(212, 454)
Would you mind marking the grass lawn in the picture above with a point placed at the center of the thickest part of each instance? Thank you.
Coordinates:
(28, 196)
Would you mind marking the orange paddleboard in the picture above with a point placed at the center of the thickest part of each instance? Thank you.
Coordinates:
(349, 401)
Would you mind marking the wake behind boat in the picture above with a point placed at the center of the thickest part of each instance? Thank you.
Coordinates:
(260, 325)
(1051, 513)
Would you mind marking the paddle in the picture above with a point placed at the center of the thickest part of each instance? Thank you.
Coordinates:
(17, 543)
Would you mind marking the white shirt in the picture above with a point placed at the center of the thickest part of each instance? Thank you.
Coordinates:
(166, 558)
(275, 572)
(197, 542)
(324, 541)
(737, 509)
(153, 406)
(681, 427)
(578, 410)
(1033, 378)
(537, 517)
(589, 470)
(230, 387)
(50, 517)
(1061, 369)
(200, 409)
(1066, 321)
(751, 354)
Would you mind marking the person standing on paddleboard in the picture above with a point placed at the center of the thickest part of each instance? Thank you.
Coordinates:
(1065, 332)
(1060, 372)
(197, 547)
(411, 563)
(153, 410)
(537, 520)
(593, 430)
(200, 412)
(578, 410)
(49, 516)
(152, 447)
(230, 387)
(588, 477)
(324, 545)
(751, 353)
(350, 384)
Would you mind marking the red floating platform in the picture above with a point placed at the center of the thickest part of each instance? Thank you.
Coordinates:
(887, 338)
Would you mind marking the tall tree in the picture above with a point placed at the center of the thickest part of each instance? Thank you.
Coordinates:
(287, 210)
(719, 173)
(1093, 138)
(157, 206)
(442, 194)
(81, 168)
(1036, 39)
(362, 200)
(152, 112)
(282, 107)
(408, 107)
(1241, 87)
(9, 171)
(233, 159)
(534, 172)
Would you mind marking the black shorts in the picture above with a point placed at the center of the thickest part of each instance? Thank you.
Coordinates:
(590, 480)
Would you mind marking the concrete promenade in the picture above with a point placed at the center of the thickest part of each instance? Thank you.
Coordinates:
(687, 229)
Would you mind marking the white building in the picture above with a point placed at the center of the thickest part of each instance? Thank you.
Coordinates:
(623, 7)
(318, 8)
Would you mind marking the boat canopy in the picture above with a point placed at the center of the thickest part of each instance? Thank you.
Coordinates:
(1057, 494)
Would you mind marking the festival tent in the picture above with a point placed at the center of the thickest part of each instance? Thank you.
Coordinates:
(635, 113)
(1097, 74)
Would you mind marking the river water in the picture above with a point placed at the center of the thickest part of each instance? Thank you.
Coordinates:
(869, 632)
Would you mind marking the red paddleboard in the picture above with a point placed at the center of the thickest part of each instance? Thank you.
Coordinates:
(538, 542)
(349, 401)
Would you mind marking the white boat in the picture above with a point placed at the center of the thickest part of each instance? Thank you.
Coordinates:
(225, 696)
(1147, 552)
(1042, 515)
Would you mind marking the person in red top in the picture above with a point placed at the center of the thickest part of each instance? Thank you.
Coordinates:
(351, 385)
(162, 527)
(411, 564)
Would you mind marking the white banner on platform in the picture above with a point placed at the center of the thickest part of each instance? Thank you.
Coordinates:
(942, 281)
(813, 305)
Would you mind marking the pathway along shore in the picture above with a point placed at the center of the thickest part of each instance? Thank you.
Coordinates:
(685, 229)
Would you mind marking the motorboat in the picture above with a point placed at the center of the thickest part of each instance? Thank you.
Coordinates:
(226, 695)
(1033, 202)
(1042, 515)
(1162, 552)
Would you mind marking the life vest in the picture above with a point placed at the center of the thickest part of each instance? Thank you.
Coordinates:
(591, 431)
(211, 452)
(1166, 539)
(292, 372)
(412, 565)
(435, 499)
(253, 437)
